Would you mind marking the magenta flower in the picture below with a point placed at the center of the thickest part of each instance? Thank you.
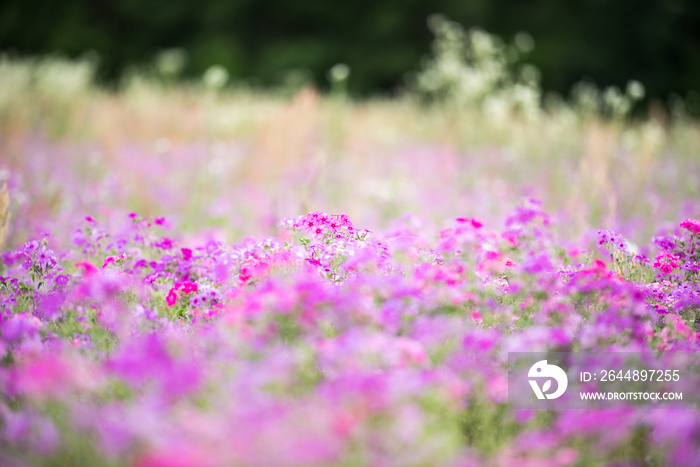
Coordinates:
(186, 253)
(88, 268)
(692, 225)
(188, 287)
(171, 298)
(667, 262)
(165, 244)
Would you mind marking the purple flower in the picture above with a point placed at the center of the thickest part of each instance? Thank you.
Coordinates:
(62, 279)
(666, 243)
(691, 266)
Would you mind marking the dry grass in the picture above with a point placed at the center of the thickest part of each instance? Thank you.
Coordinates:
(5, 215)
(385, 156)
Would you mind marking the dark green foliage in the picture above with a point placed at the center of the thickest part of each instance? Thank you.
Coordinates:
(657, 43)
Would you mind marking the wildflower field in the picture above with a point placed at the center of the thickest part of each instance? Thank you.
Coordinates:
(193, 275)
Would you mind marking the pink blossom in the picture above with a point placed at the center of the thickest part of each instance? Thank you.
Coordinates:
(171, 298)
(188, 287)
(692, 225)
(667, 262)
(88, 268)
(186, 254)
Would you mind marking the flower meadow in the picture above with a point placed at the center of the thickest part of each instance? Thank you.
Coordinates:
(198, 277)
(328, 344)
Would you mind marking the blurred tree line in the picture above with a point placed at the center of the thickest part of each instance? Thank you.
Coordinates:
(269, 41)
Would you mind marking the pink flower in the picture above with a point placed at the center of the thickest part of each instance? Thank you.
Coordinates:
(188, 287)
(666, 262)
(475, 223)
(511, 237)
(112, 259)
(245, 275)
(186, 254)
(183, 287)
(44, 375)
(171, 298)
(165, 244)
(88, 268)
(492, 255)
(692, 225)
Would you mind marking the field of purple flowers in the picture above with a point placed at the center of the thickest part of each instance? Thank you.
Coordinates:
(171, 294)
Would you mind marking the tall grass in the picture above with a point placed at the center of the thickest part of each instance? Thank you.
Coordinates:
(465, 138)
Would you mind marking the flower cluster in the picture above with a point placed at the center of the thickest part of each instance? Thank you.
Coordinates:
(680, 251)
(609, 238)
(327, 241)
(666, 262)
(166, 350)
(691, 225)
(183, 288)
(325, 227)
